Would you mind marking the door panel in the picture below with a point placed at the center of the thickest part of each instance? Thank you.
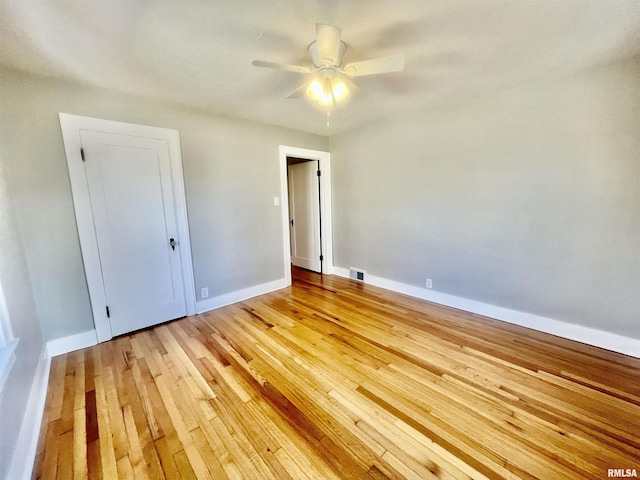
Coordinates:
(134, 216)
(304, 210)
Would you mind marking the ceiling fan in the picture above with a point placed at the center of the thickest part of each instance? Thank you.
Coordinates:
(329, 80)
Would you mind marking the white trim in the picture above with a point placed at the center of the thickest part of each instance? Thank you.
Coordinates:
(7, 342)
(325, 206)
(71, 125)
(60, 346)
(7, 359)
(6, 333)
(240, 295)
(579, 333)
(27, 444)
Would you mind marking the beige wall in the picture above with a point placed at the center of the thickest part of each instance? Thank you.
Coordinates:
(529, 199)
(231, 176)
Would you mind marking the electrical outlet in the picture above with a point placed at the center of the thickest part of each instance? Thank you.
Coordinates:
(204, 292)
(429, 283)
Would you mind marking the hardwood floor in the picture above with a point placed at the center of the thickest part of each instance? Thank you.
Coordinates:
(332, 379)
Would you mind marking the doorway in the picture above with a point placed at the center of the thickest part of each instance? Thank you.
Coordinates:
(308, 242)
(128, 195)
(305, 213)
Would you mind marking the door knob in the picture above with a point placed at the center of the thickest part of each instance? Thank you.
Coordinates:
(173, 243)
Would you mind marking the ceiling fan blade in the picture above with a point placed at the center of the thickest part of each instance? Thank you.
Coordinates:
(328, 38)
(298, 92)
(281, 66)
(394, 63)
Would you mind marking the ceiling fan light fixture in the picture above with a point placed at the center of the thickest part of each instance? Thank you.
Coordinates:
(315, 91)
(340, 91)
(327, 92)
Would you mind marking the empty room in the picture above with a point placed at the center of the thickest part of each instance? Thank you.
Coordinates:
(319, 239)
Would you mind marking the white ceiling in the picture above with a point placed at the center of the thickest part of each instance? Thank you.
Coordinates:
(198, 53)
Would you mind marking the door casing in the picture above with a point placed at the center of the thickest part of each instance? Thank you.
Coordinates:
(325, 205)
(71, 126)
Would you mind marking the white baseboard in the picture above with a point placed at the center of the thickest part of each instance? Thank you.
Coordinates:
(579, 333)
(60, 346)
(240, 295)
(27, 444)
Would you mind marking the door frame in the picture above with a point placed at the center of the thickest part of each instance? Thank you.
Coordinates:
(71, 125)
(325, 205)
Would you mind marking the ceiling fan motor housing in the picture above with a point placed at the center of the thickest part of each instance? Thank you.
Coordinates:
(319, 63)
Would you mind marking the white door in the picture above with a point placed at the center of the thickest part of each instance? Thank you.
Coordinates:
(304, 212)
(134, 215)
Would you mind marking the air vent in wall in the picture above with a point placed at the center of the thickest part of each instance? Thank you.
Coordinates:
(356, 274)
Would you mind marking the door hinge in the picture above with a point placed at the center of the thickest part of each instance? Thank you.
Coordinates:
(319, 173)
(321, 257)
(108, 314)
(82, 153)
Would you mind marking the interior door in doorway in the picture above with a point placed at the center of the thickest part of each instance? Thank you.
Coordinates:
(131, 196)
(304, 213)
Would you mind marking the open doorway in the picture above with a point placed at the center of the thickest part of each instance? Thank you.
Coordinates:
(305, 213)
(306, 209)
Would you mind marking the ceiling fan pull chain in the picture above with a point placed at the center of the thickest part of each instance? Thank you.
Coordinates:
(328, 114)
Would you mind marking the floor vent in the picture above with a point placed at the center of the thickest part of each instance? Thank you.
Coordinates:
(356, 274)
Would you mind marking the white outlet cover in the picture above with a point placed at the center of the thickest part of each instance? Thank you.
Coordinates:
(204, 292)
(276, 201)
(429, 283)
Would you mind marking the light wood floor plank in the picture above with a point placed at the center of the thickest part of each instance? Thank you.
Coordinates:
(335, 379)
